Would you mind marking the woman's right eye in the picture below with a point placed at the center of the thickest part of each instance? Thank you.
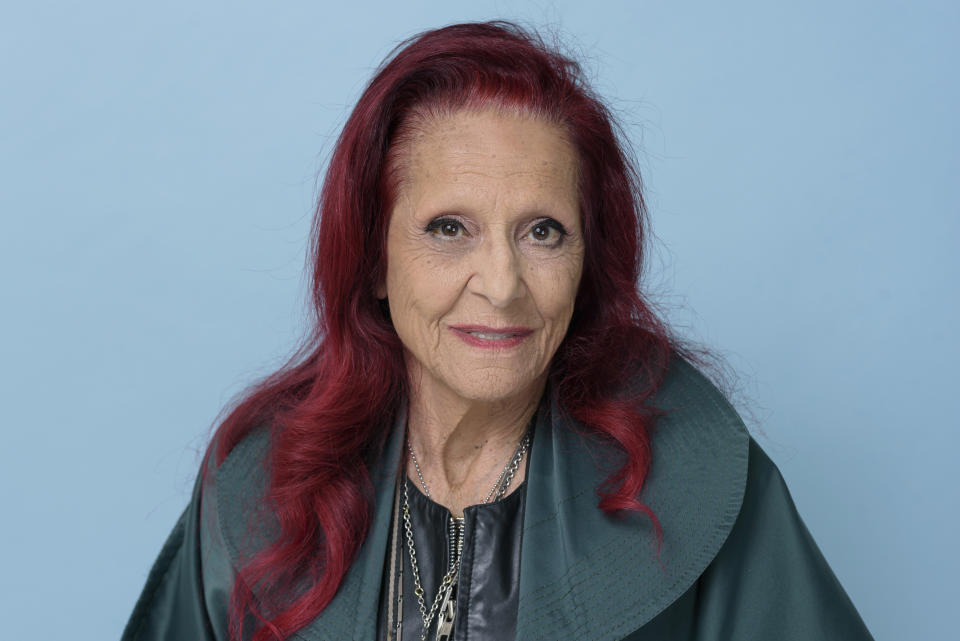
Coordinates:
(446, 227)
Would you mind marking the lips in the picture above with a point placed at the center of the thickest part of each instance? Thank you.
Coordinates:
(491, 337)
(483, 331)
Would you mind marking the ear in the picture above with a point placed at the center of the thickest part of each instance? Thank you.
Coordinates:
(382, 290)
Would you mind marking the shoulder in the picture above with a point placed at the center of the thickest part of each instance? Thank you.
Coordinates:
(770, 580)
(716, 490)
(187, 593)
(698, 456)
(768, 525)
(235, 496)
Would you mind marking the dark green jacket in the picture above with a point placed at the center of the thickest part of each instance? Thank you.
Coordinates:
(736, 561)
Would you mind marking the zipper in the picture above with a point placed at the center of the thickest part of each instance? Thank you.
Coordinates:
(454, 541)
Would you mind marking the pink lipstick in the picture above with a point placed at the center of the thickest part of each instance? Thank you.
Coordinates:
(491, 337)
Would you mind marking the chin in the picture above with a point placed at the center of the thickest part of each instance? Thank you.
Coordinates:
(492, 389)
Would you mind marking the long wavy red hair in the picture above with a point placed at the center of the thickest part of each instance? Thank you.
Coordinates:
(327, 407)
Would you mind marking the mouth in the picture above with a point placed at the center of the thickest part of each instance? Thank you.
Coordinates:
(492, 336)
(482, 336)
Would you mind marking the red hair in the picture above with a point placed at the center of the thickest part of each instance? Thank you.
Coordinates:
(328, 406)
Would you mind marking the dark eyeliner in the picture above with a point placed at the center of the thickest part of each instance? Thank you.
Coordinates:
(556, 224)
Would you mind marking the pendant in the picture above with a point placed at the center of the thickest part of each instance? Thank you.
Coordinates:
(448, 610)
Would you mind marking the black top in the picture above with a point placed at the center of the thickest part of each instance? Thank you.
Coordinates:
(487, 589)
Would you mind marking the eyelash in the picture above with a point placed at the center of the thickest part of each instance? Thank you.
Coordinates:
(435, 226)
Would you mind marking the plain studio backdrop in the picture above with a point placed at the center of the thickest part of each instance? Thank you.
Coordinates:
(159, 165)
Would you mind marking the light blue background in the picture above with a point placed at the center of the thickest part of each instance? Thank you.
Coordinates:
(158, 170)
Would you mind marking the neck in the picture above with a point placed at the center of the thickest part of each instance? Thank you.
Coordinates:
(463, 445)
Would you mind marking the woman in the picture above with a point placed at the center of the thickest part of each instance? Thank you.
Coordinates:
(490, 435)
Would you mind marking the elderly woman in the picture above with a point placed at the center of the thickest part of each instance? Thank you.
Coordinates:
(489, 436)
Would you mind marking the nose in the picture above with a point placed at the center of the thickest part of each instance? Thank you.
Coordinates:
(497, 273)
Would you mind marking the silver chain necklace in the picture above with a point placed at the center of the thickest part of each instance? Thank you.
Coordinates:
(506, 475)
(444, 600)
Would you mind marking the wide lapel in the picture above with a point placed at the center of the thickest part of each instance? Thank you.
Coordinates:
(584, 575)
(241, 484)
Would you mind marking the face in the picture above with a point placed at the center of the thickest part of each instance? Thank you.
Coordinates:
(484, 253)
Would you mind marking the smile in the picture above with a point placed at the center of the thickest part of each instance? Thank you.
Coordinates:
(490, 337)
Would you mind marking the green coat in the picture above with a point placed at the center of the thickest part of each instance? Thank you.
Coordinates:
(736, 561)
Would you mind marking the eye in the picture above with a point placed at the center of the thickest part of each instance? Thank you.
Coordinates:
(446, 227)
(548, 232)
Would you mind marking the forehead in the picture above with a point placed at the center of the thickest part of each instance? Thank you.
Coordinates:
(469, 151)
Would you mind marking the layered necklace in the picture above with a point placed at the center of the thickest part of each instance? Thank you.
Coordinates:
(444, 605)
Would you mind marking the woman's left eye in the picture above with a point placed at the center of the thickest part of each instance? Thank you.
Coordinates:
(548, 232)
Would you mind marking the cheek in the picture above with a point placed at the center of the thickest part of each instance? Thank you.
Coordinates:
(404, 291)
(419, 293)
(556, 287)
(406, 270)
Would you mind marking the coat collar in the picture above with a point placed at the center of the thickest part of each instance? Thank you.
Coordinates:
(581, 573)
